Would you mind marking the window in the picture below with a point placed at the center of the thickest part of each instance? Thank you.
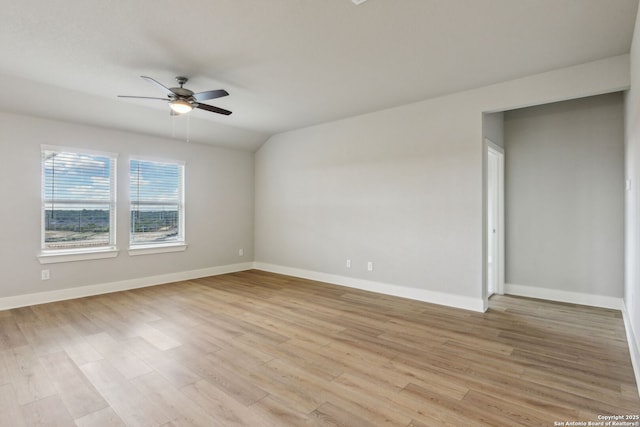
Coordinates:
(78, 201)
(156, 194)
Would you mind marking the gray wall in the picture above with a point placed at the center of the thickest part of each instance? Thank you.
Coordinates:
(397, 188)
(401, 187)
(493, 127)
(564, 196)
(218, 199)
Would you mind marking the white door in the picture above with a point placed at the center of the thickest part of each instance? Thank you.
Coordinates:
(495, 220)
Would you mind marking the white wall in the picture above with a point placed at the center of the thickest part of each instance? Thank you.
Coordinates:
(219, 206)
(402, 188)
(632, 158)
(564, 197)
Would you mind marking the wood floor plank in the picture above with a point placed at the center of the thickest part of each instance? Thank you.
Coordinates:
(403, 406)
(41, 337)
(289, 384)
(103, 376)
(134, 407)
(225, 378)
(222, 407)
(328, 414)
(273, 413)
(237, 353)
(127, 363)
(177, 373)
(373, 410)
(27, 375)
(103, 418)
(192, 333)
(446, 410)
(78, 394)
(155, 337)
(398, 375)
(629, 390)
(10, 334)
(47, 412)
(175, 404)
(303, 355)
(518, 414)
(10, 409)
(583, 390)
(80, 351)
(23, 314)
(260, 349)
(4, 371)
(72, 317)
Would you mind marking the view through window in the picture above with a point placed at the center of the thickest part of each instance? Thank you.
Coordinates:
(78, 200)
(156, 198)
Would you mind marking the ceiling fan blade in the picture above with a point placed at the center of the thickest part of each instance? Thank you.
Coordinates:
(142, 97)
(158, 84)
(211, 94)
(213, 109)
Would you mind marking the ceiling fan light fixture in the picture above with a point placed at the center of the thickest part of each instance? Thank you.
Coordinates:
(180, 106)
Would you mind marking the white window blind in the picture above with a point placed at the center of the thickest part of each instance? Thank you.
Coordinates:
(157, 202)
(78, 195)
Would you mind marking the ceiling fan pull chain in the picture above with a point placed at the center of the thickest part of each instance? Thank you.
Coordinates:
(188, 127)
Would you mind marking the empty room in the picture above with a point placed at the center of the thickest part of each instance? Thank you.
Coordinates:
(320, 213)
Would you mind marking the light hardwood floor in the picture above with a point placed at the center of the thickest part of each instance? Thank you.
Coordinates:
(259, 349)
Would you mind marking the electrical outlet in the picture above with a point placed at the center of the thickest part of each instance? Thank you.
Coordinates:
(370, 266)
(44, 274)
(240, 252)
(348, 263)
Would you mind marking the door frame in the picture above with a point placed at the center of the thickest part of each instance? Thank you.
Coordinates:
(494, 149)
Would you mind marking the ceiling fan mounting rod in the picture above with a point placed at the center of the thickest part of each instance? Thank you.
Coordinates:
(182, 80)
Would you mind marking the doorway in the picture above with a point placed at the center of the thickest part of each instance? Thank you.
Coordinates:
(495, 219)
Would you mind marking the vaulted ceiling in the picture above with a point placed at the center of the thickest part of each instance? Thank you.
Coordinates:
(287, 64)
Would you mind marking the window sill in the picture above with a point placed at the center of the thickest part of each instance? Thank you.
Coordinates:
(156, 249)
(52, 257)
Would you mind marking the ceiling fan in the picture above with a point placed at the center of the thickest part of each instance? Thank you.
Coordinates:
(182, 100)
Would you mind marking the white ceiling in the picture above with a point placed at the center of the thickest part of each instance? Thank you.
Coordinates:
(286, 63)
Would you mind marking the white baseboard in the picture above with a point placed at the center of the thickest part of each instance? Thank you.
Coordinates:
(451, 300)
(123, 285)
(634, 345)
(564, 296)
(440, 298)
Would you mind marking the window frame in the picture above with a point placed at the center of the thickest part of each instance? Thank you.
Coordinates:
(109, 250)
(159, 247)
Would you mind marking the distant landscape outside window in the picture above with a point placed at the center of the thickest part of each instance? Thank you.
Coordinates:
(155, 191)
(78, 200)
